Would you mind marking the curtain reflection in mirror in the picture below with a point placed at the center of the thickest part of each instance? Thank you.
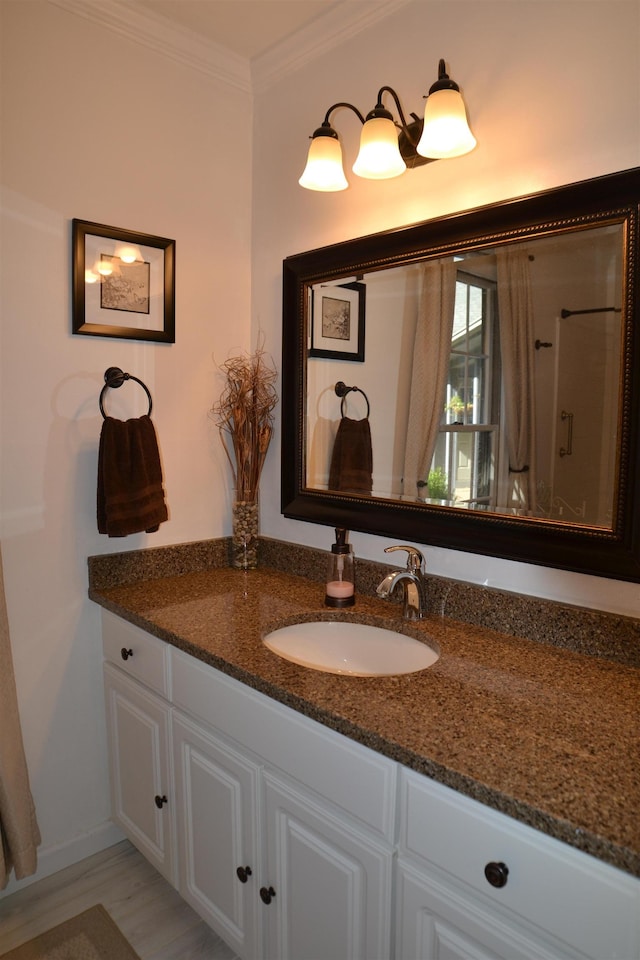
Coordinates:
(432, 347)
(516, 341)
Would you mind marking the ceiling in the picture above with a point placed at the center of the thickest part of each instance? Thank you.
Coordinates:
(246, 27)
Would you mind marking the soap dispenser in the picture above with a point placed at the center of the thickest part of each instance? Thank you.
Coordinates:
(340, 587)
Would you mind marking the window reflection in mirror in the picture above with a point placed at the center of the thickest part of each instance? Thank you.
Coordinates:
(521, 345)
(465, 470)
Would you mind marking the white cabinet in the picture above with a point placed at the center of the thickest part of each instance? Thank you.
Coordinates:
(359, 782)
(438, 921)
(318, 841)
(472, 883)
(322, 887)
(328, 884)
(296, 843)
(138, 724)
(284, 829)
(217, 789)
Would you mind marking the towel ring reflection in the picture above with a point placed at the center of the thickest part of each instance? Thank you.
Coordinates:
(114, 377)
(342, 390)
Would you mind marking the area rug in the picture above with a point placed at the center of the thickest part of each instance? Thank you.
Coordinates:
(91, 935)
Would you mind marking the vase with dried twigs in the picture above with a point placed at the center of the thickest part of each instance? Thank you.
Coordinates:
(244, 416)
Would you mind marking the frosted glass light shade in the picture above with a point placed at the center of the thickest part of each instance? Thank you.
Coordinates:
(379, 156)
(324, 166)
(446, 131)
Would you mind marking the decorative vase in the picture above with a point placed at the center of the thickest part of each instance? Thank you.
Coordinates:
(244, 536)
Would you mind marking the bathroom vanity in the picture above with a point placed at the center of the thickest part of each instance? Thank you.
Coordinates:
(485, 807)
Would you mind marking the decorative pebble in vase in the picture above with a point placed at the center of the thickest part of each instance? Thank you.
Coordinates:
(244, 535)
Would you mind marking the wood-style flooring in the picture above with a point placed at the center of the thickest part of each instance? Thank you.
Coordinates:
(156, 921)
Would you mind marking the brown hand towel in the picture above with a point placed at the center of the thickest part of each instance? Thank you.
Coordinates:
(352, 460)
(130, 492)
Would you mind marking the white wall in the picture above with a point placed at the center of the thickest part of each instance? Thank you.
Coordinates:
(99, 127)
(553, 93)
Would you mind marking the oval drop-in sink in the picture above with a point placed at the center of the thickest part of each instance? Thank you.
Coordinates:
(357, 649)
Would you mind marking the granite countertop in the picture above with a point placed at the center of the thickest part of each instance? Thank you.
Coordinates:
(546, 735)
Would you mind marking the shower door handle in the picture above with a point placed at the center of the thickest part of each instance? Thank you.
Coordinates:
(568, 450)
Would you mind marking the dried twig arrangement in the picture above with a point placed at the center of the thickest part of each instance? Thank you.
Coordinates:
(244, 415)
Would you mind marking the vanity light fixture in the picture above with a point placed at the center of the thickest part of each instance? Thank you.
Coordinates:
(388, 147)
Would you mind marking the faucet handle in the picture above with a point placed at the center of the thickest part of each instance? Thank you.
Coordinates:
(415, 558)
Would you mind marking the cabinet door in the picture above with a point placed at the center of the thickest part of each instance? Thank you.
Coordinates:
(556, 893)
(216, 797)
(437, 921)
(138, 731)
(327, 885)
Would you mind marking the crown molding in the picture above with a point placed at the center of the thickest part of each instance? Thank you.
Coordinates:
(168, 39)
(332, 28)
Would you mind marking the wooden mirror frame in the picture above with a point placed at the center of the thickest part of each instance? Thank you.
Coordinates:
(612, 552)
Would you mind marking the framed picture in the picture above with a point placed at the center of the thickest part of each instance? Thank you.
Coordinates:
(338, 322)
(123, 283)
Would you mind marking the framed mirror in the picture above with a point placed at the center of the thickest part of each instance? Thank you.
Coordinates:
(493, 405)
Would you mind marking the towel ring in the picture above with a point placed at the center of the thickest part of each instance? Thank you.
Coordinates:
(115, 377)
(342, 390)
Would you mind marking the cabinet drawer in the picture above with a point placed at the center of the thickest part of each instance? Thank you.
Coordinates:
(561, 890)
(137, 653)
(361, 782)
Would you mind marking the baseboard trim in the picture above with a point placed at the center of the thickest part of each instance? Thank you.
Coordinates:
(55, 858)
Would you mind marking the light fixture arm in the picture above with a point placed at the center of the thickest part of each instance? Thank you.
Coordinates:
(378, 106)
(410, 133)
(335, 106)
(325, 129)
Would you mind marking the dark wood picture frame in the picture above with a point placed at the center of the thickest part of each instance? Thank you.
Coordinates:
(123, 283)
(343, 308)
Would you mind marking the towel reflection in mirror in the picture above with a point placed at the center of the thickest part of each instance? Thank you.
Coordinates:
(351, 469)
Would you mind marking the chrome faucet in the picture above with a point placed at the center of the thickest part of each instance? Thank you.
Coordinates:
(413, 583)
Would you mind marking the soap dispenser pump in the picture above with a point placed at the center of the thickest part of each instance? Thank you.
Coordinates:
(340, 586)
